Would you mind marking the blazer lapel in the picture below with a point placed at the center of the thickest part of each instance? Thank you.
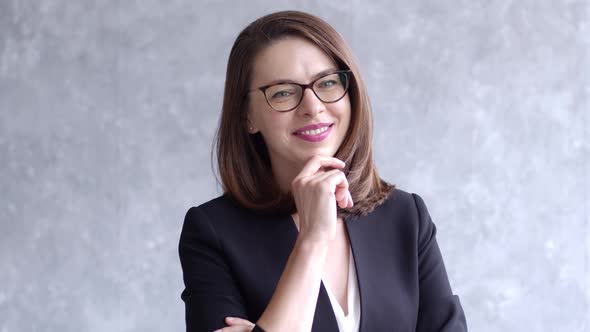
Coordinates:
(324, 319)
(363, 233)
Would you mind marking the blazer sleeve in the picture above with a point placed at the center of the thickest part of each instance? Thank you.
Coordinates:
(210, 293)
(439, 310)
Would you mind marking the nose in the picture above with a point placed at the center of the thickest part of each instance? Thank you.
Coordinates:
(310, 104)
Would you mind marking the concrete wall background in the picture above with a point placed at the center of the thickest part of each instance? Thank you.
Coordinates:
(108, 110)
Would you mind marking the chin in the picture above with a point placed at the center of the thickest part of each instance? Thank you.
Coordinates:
(320, 152)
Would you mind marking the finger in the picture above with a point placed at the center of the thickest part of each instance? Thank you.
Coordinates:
(346, 201)
(334, 177)
(238, 321)
(235, 328)
(342, 197)
(342, 193)
(317, 162)
(338, 188)
(343, 203)
(339, 182)
(322, 176)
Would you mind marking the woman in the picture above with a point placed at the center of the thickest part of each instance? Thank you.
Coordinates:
(307, 236)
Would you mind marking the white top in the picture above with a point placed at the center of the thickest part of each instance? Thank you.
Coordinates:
(350, 322)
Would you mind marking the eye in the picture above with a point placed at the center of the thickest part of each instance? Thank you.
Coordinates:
(281, 94)
(328, 83)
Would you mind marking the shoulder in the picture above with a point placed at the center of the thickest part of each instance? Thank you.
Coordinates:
(398, 197)
(222, 202)
(415, 217)
(403, 211)
(219, 207)
(402, 203)
(223, 215)
(203, 215)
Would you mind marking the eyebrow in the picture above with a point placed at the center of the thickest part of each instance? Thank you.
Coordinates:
(316, 76)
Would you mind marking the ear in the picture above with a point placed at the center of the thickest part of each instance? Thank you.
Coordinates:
(250, 126)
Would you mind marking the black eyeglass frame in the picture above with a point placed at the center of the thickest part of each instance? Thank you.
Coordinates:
(304, 87)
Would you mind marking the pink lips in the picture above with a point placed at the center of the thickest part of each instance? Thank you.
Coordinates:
(310, 133)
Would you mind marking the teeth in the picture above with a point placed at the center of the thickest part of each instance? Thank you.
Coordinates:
(313, 131)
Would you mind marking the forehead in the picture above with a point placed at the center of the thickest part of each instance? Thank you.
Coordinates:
(290, 58)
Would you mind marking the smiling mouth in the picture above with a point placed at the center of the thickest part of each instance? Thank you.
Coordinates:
(313, 132)
(314, 135)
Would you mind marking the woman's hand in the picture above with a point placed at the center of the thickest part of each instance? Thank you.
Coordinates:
(316, 193)
(237, 325)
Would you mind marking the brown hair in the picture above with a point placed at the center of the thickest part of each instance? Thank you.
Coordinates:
(243, 160)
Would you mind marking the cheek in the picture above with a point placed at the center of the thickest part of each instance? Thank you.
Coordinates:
(343, 110)
(257, 112)
(345, 115)
(270, 123)
(270, 119)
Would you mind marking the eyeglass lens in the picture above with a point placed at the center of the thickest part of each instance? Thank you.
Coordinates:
(287, 96)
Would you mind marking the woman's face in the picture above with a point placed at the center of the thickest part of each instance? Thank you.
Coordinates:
(290, 144)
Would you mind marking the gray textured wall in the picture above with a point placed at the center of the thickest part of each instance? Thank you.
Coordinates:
(108, 110)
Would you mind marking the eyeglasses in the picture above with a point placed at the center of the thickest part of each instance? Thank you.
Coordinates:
(285, 97)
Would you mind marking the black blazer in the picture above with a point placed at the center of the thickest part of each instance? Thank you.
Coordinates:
(232, 259)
